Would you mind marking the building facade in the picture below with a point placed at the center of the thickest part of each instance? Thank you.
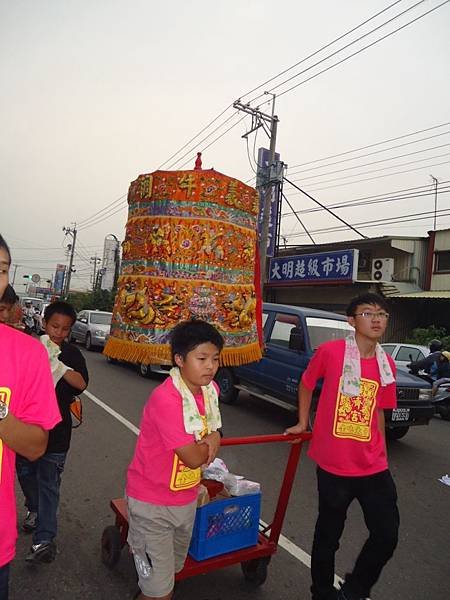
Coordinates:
(412, 273)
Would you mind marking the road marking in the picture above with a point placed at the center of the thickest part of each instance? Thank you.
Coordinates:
(113, 413)
(299, 554)
(283, 541)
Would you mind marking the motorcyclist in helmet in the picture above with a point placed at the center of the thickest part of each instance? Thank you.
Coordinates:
(435, 346)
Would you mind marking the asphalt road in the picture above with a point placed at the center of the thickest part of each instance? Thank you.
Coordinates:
(95, 473)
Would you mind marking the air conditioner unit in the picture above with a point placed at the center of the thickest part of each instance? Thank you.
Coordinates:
(382, 269)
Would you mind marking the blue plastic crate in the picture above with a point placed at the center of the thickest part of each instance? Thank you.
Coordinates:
(225, 525)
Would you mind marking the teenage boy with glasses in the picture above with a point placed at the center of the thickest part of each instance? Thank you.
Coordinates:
(349, 447)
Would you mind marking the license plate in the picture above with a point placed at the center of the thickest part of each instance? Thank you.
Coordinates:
(400, 414)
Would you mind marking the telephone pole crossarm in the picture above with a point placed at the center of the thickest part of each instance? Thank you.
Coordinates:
(255, 112)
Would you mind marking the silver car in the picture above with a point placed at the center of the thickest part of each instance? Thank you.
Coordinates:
(92, 328)
(405, 353)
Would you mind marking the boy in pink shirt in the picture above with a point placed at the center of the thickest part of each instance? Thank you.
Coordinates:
(349, 447)
(178, 434)
(28, 409)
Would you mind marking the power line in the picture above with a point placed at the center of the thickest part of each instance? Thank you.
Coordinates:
(350, 204)
(189, 152)
(410, 162)
(298, 218)
(395, 17)
(320, 49)
(365, 201)
(86, 252)
(95, 221)
(223, 112)
(103, 218)
(44, 259)
(374, 162)
(214, 141)
(400, 137)
(196, 136)
(411, 190)
(248, 156)
(84, 221)
(378, 223)
(303, 60)
(51, 248)
(378, 177)
(82, 258)
(107, 213)
(364, 47)
(35, 249)
(204, 139)
(82, 251)
(338, 162)
(325, 208)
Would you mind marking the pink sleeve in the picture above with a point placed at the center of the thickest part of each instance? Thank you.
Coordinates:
(39, 405)
(315, 369)
(388, 396)
(166, 411)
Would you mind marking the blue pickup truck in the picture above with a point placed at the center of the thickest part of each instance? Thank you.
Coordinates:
(291, 335)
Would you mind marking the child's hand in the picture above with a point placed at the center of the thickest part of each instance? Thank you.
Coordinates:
(296, 429)
(212, 440)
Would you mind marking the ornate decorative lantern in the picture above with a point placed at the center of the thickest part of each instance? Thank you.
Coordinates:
(189, 252)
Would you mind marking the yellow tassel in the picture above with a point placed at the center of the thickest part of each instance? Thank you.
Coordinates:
(153, 354)
(157, 354)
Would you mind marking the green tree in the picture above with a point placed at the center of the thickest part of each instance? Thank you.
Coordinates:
(424, 335)
(99, 299)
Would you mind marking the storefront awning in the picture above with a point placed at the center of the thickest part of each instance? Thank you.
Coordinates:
(436, 294)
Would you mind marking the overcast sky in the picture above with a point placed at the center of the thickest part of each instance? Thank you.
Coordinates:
(96, 92)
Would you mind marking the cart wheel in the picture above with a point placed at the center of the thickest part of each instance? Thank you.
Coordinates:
(255, 571)
(226, 379)
(111, 546)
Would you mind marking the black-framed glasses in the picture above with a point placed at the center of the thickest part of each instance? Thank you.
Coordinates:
(373, 315)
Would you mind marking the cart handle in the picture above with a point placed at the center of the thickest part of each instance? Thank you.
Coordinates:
(266, 439)
(289, 473)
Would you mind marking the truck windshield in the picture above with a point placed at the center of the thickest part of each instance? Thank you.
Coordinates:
(323, 330)
(101, 318)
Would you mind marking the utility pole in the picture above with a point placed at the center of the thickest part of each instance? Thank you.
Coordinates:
(435, 180)
(116, 264)
(73, 233)
(95, 260)
(258, 120)
(14, 274)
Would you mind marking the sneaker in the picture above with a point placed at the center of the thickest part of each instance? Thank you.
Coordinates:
(30, 522)
(44, 552)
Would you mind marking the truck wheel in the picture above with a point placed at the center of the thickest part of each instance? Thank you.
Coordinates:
(144, 370)
(111, 546)
(225, 379)
(444, 411)
(396, 433)
(88, 342)
(255, 571)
